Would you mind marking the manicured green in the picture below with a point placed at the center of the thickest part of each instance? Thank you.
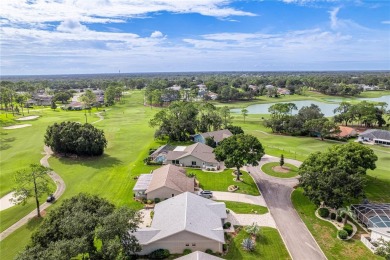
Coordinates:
(245, 208)
(269, 245)
(220, 181)
(267, 168)
(325, 233)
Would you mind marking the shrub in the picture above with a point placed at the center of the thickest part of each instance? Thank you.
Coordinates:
(323, 212)
(227, 225)
(348, 228)
(339, 219)
(187, 251)
(159, 254)
(248, 244)
(152, 214)
(149, 201)
(157, 200)
(227, 211)
(332, 215)
(209, 251)
(342, 234)
(224, 247)
(75, 138)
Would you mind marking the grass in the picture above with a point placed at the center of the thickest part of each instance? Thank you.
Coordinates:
(267, 168)
(245, 208)
(325, 233)
(269, 245)
(220, 181)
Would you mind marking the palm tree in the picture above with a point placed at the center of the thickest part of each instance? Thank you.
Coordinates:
(248, 244)
(253, 229)
(347, 211)
(244, 113)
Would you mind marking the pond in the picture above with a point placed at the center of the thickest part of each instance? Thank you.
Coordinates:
(326, 109)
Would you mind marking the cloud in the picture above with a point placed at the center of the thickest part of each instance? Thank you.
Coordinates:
(156, 34)
(333, 17)
(108, 11)
(70, 25)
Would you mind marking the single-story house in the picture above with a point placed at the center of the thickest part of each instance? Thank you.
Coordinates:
(347, 132)
(212, 95)
(217, 135)
(186, 221)
(253, 87)
(74, 105)
(164, 182)
(40, 100)
(283, 91)
(375, 136)
(197, 155)
(198, 255)
(175, 88)
(202, 87)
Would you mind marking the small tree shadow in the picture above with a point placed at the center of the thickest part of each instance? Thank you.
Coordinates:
(97, 162)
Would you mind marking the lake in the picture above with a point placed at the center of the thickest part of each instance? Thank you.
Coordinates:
(326, 109)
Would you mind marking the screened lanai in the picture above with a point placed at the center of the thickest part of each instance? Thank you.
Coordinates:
(373, 215)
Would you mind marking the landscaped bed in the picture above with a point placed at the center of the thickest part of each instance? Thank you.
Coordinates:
(220, 181)
(245, 208)
(326, 234)
(269, 245)
(274, 169)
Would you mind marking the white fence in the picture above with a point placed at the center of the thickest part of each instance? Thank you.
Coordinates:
(367, 243)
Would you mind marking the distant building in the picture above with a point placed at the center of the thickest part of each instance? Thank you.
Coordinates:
(175, 87)
(217, 135)
(375, 136)
(283, 91)
(347, 132)
(40, 100)
(212, 95)
(186, 221)
(368, 88)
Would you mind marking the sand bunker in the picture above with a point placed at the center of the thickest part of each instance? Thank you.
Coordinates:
(5, 203)
(16, 126)
(26, 118)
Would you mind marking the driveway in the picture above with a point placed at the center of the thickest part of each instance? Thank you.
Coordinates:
(264, 220)
(277, 195)
(239, 197)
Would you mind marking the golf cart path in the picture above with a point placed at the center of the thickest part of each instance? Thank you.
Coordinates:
(60, 190)
(277, 194)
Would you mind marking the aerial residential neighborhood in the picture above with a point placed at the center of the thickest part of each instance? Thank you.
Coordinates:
(195, 130)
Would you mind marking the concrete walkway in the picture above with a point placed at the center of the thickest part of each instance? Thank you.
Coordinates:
(60, 190)
(277, 194)
(147, 220)
(239, 197)
(264, 220)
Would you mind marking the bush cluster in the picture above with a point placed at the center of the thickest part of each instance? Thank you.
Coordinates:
(348, 228)
(342, 234)
(159, 254)
(332, 215)
(209, 251)
(323, 212)
(227, 225)
(339, 218)
(187, 251)
(157, 200)
(75, 138)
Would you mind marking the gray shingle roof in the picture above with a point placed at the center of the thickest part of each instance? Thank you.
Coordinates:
(376, 133)
(185, 212)
(198, 150)
(198, 255)
(173, 177)
(218, 135)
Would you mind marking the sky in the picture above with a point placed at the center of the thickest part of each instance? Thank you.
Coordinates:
(42, 37)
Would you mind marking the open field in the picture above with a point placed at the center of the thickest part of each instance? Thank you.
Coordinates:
(269, 245)
(245, 208)
(325, 233)
(220, 181)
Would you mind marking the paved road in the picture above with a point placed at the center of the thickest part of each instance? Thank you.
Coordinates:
(60, 190)
(277, 195)
(239, 197)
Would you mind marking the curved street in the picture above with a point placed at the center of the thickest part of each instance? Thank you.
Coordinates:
(59, 191)
(277, 194)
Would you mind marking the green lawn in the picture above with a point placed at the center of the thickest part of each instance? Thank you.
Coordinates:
(325, 233)
(245, 208)
(220, 181)
(267, 168)
(269, 245)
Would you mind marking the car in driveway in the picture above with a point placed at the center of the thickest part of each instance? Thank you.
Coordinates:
(206, 194)
(51, 198)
